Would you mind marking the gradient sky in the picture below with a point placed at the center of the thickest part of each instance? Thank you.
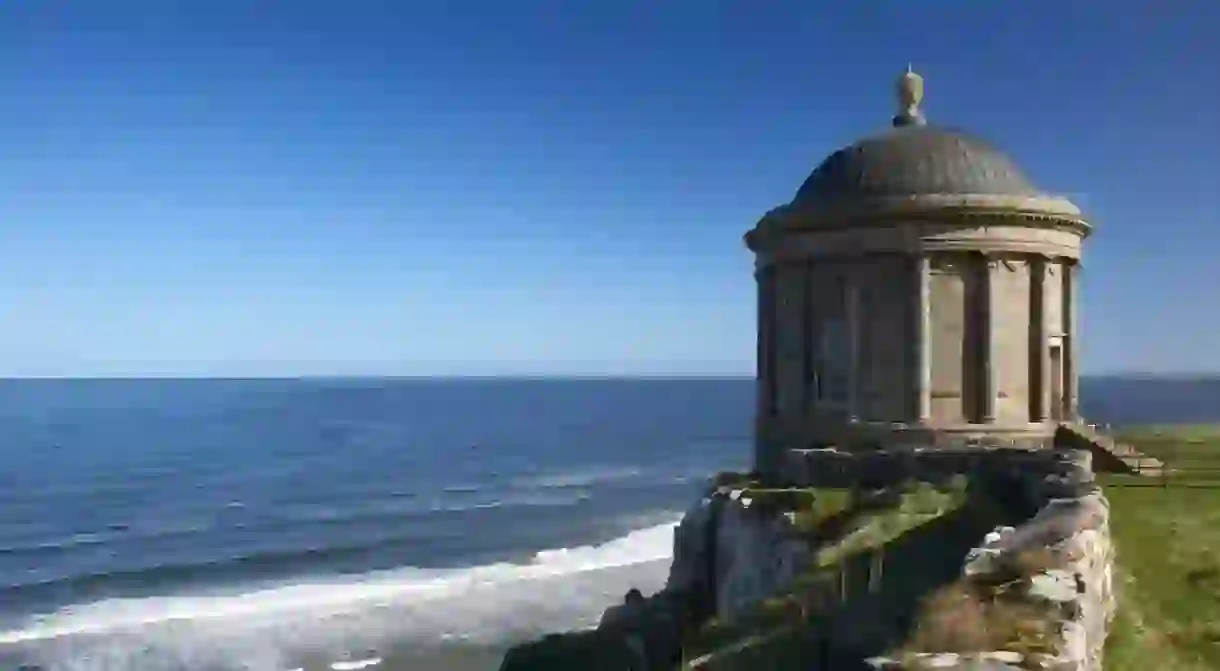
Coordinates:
(226, 187)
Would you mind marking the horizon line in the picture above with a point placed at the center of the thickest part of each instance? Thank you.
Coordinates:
(393, 376)
(509, 376)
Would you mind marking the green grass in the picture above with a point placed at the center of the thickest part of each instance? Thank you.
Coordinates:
(1168, 542)
(811, 506)
(918, 504)
(1177, 432)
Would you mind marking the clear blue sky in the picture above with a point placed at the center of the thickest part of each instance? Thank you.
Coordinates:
(251, 187)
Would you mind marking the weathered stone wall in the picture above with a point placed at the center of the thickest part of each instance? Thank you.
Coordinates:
(1060, 564)
(1042, 474)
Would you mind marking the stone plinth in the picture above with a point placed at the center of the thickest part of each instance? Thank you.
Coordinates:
(1043, 474)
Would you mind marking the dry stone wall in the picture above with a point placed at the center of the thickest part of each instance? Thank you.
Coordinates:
(1060, 564)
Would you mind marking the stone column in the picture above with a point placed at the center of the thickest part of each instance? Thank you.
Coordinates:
(808, 339)
(765, 386)
(987, 341)
(852, 308)
(765, 275)
(1040, 351)
(921, 339)
(1071, 367)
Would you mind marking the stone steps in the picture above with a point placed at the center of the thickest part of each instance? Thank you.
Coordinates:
(1133, 462)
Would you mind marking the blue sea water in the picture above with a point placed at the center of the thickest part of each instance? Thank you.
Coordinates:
(273, 525)
(282, 524)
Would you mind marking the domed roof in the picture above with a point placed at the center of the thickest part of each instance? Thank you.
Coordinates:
(914, 163)
(914, 174)
(913, 160)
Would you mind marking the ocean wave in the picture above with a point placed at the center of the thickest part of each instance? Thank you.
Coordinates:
(262, 562)
(356, 665)
(462, 489)
(630, 476)
(274, 627)
(387, 510)
(284, 518)
(116, 531)
(580, 478)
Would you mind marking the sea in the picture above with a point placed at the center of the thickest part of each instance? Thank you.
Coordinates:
(343, 524)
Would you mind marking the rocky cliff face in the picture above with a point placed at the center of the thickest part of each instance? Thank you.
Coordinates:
(695, 540)
(757, 555)
(761, 573)
(729, 556)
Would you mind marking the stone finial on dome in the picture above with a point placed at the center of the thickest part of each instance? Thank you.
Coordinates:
(910, 94)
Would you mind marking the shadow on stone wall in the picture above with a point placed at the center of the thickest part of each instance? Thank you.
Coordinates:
(865, 608)
(874, 606)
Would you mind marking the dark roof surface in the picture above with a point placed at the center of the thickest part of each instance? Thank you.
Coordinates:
(914, 160)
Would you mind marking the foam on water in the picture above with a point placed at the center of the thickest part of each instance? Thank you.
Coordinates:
(580, 478)
(274, 627)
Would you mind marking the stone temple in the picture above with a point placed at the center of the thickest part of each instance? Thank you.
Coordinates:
(917, 341)
(919, 289)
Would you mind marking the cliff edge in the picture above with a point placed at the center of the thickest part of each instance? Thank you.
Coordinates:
(904, 559)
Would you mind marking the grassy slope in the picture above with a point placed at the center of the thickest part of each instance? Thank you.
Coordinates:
(1168, 542)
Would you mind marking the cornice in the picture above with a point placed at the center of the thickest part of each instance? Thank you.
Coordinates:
(1038, 212)
(768, 263)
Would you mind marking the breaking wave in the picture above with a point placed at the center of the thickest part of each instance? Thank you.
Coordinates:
(274, 628)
